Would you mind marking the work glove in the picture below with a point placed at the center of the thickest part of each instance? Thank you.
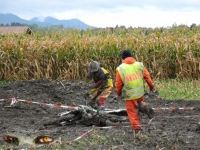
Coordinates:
(152, 90)
(119, 93)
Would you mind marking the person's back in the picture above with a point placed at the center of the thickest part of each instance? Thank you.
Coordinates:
(131, 73)
(130, 76)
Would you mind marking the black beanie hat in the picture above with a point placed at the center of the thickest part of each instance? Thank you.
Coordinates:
(126, 53)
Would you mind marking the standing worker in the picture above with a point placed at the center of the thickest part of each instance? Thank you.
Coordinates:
(130, 76)
(103, 85)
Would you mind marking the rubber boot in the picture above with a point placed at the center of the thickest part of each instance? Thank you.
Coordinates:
(149, 111)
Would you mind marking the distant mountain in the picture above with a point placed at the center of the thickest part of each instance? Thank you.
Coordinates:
(43, 22)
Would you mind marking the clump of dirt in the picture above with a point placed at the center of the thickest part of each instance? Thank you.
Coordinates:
(170, 128)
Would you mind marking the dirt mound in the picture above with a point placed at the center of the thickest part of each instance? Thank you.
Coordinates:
(174, 127)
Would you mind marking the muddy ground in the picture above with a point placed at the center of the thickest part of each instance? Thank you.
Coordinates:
(169, 129)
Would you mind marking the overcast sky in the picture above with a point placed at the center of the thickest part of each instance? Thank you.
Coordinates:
(109, 13)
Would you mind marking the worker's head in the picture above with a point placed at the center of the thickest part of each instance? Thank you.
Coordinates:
(126, 53)
(94, 66)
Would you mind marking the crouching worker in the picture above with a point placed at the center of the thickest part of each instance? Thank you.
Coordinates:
(103, 85)
(130, 76)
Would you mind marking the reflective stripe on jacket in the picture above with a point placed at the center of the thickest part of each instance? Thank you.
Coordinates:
(132, 76)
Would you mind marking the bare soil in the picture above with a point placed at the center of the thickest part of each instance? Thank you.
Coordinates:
(170, 129)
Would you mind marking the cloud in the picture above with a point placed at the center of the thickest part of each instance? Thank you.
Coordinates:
(104, 13)
(148, 16)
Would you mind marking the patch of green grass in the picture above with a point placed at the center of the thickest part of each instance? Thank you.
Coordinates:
(3, 81)
(175, 89)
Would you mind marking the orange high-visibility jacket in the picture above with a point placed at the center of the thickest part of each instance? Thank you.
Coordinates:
(132, 77)
(119, 82)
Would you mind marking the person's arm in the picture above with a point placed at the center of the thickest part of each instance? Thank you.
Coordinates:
(118, 84)
(148, 79)
(100, 80)
(88, 77)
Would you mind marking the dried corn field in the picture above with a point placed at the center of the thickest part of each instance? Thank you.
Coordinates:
(167, 53)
